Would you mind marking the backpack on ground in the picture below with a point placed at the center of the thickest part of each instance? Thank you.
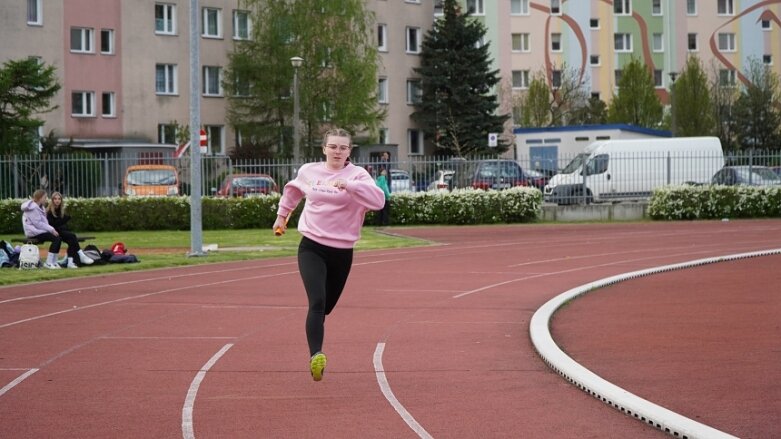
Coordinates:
(8, 257)
(29, 257)
(93, 252)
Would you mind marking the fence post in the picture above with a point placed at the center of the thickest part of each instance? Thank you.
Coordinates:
(16, 177)
(669, 168)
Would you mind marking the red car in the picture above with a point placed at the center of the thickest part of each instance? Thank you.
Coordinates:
(247, 185)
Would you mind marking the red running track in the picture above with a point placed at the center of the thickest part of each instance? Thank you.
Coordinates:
(218, 350)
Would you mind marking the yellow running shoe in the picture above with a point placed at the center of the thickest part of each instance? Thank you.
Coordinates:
(317, 366)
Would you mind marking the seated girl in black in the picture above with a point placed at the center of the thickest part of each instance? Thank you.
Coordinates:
(58, 218)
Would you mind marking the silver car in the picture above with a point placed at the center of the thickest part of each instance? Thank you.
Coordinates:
(401, 181)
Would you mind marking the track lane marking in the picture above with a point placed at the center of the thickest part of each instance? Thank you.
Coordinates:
(188, 430)
(18, 380)
(382, 380)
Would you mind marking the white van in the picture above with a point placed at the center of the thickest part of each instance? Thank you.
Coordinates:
(629, 169)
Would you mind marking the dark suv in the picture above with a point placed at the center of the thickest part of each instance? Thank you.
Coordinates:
(488, 174)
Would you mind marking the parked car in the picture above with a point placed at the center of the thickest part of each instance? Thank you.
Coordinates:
(487, 174)
(401, 181)
(442, 180)
(746, 175)
(535, 178)
(151, 181)
(247, 185)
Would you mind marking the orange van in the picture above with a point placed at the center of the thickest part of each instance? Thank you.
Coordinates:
(151, 181)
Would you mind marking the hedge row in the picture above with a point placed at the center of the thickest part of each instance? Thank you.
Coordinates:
(173, 213)
(463, 206)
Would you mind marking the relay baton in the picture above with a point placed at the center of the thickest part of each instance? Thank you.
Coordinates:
(278, 231)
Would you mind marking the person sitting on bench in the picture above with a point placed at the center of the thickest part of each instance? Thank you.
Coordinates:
(37, 227)
(58, 218)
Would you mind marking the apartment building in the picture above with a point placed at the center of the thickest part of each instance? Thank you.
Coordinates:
(124, 65)
(596, 38)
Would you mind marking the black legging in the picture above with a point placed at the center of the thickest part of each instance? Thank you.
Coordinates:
(56, 242)
(324, 271)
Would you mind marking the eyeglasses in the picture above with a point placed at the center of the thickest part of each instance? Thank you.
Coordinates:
(339, 147)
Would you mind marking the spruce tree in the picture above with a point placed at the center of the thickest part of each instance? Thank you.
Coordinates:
(458, 106)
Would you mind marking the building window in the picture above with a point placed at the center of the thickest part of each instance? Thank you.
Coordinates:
(656, 7)
(166, 134)
(555, 7)
(215, 142)
(382, 90)
(414, 91)
(594, 60)
(83, 103)
(657, 41)
(555, 78)
(475, 7)
(555, 42)
(726, 7)
(382, 37)
(212, 19)
(691, 7)
(165, 18)
(107, 41)
(165, 79)
(519, 7)
(623, 42)
(593, 23)
(520, 79)
(767, 60)
(413, 40)
(108, 104)
(765, 24)
(520, 43)
(414, 142)
(727, 42)
(81, 40)
(242, 25)
(727, 77)
(34, 16)
(657, 78)
(622, 7)
(241, 86)
(212, 81)
(383, 136)
(691, 41)
(618, 73)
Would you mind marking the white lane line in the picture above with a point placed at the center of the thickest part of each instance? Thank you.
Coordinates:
(386, 390)
(586, 267)
(136, 281)
(18, 380)
(139, 296)
(188, 432)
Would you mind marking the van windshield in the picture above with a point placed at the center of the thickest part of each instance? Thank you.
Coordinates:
(575, 164)
(152, 177)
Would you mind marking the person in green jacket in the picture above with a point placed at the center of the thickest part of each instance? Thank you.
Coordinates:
(383, 216)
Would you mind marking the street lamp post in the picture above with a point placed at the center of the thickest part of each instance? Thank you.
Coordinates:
(673, 75)
(296, 62)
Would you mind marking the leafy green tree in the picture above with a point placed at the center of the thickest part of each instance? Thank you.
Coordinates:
(757, 115)
(537, 104)
(26, 90)
(458, 104)
(723, 97)
(337, 81)
(690, 96)
(636, 103)
(594, 112)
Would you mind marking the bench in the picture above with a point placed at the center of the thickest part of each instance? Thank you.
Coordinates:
(26, 240)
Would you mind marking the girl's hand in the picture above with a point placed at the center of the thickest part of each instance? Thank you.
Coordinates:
(340, 184)
(280, 225)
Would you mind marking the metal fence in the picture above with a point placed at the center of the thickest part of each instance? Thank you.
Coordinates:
(104, 175)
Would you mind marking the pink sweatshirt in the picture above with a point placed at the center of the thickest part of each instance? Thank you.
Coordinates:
(331, 216)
